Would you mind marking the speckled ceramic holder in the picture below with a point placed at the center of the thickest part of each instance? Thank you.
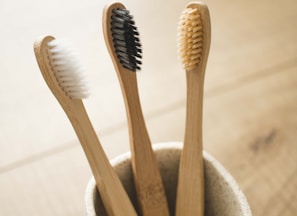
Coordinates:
(222, 194)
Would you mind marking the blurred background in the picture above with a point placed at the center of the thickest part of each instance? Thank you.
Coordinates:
(250, 106)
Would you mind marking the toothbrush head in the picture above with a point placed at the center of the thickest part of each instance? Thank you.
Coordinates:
(61, 67)
(125, 39)
(193, 35)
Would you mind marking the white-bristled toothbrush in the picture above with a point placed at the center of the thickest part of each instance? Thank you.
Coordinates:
(61, 69)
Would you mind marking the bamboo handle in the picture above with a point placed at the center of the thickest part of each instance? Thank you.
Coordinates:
(149, 186)
(114, 197)
(190, 199)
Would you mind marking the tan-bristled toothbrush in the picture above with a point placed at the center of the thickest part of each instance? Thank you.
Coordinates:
(122, 41)
(61, 70)
(194, 43)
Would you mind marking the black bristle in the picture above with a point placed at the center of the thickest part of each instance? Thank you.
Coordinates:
(126, 39)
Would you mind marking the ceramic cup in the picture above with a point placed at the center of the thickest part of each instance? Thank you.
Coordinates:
(222, 194)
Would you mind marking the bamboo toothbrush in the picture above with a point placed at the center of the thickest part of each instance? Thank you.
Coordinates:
(61, 70)
(194, 43)
(122, 41)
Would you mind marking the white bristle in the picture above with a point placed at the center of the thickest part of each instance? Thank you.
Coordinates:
(67, 68)
(190, 38)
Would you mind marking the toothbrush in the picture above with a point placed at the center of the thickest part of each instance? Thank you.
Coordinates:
(122, 41)
(61, 70)
(194, 43)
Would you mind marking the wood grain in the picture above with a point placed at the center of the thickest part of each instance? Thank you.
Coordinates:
(261, 157)
(262, 141)
(250, 106)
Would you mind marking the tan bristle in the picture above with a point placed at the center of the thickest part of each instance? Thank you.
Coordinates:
(190, 38)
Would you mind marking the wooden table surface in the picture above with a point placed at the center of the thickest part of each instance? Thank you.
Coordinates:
(250, 107)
